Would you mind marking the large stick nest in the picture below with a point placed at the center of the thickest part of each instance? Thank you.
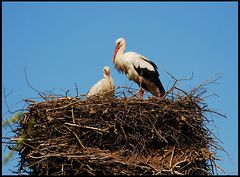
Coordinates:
(116, 136)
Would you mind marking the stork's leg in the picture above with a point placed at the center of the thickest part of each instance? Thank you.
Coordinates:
(141, 91)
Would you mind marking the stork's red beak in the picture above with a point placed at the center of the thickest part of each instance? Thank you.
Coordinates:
(115, 52)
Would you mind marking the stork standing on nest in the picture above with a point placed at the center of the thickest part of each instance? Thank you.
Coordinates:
(138, 68)
(105, 86)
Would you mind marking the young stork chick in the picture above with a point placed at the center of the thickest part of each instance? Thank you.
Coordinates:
(138, 68)
(104, 87)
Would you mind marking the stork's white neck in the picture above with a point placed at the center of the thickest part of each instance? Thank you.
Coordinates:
(119, 54)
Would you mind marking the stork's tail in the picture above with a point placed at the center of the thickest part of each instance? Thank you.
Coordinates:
(161, 88)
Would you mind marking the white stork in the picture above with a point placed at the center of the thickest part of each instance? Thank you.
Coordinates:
(104, 87)
(137, 68)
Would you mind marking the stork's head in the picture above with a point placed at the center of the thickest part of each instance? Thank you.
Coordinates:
(120, 42)
(106, 71)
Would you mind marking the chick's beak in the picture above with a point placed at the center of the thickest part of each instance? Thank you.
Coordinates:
(107, 72)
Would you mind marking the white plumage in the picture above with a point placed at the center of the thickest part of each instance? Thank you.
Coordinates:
(137, 68)
(105, 86)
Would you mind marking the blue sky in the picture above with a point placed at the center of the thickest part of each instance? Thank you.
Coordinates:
(64, 43)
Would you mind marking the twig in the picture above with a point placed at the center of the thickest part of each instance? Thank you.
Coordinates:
(80, 143)
(157, 133)
(170, 90)
(180, 79)
(73, 116)
(76, 87)
(31, 101)
(25, 69)
(170, 164)
(5, 99)
(87, 127)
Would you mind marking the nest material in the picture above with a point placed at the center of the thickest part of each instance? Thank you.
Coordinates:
(118, 136)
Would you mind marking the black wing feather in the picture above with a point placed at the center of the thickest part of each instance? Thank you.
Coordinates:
(150, 75)
(151, 63)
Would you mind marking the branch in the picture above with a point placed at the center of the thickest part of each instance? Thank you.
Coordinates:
(179, 79)
(25, 69)
(76, 88)
(5, 99)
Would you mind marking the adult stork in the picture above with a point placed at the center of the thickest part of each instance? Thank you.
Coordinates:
(138, 68)
(104, 87)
